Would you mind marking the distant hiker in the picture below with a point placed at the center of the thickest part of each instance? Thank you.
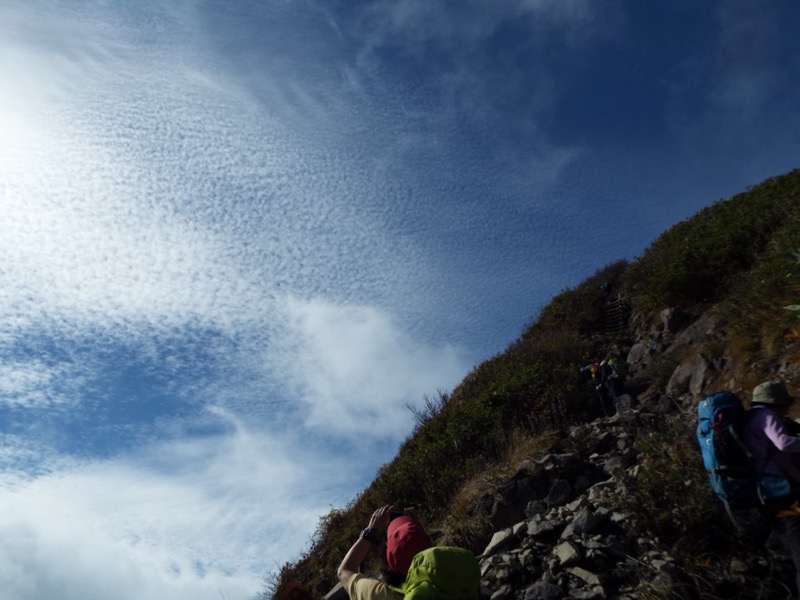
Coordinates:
(776, 452)
(416, 567)
(609, 383)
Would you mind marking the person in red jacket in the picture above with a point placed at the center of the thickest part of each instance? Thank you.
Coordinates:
(405, 537)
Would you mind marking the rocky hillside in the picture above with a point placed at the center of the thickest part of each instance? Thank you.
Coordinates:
(578, 532)
(520, 465)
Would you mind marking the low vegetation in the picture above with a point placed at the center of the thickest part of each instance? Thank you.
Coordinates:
(734, 257)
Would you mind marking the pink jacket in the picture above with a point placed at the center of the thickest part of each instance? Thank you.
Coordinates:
(763, 433)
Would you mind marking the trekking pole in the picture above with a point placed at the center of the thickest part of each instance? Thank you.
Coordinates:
(602, 403)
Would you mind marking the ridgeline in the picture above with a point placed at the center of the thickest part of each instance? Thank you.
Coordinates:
(520, 465)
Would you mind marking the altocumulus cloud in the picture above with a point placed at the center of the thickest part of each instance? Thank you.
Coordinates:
(181, 517)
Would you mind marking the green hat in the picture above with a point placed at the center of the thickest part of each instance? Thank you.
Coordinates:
(772, 392)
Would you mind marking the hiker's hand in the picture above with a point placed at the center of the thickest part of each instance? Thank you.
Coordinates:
(379, 520)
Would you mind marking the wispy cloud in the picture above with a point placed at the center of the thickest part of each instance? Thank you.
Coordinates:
(747, 67)
(354, 370)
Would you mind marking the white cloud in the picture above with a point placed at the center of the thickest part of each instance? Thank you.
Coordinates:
(44, 555)
(356, 370)
(106, 262)
(183, 518)
(31, 383)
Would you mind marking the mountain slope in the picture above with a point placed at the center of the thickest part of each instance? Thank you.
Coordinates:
(702, 310)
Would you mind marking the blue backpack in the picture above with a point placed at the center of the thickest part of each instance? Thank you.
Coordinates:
(727, 459)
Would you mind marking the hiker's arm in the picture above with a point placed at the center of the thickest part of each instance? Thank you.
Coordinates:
(355, 556)
(778, 435)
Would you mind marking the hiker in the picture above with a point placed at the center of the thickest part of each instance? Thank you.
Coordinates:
(769, 437)
(405, 536)
(416, 566)
(608, 383)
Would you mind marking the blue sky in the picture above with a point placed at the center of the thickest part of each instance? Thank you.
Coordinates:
(238, 238)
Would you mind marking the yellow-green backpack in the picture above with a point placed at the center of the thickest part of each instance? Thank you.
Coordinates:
(443, 573)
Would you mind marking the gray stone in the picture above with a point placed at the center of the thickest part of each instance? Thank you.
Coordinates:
(535, 507)
(544, 527)
(568, 554)
(532, 562)
(560, 491)
(688, 377)
(513, 496)
(615, 464)
(624, 404)
(665, 405)
(663, 583)
(670, 319)
(592, 544)
(585, 521)
(503, 592)
(596, 593)
(639, 355)
(577, 504)
(518, 528)
(599, 490)
(505, 513)
(542, 590)
(642, 354)
(585, 575)
(499, 540)
(619, 517)
(486, 566)
(665, 566)
(514, 562)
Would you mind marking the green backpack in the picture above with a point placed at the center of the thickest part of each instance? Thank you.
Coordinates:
(618, 369)
(443, 573)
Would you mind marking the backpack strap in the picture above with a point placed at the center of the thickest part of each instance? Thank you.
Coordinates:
(738, 439)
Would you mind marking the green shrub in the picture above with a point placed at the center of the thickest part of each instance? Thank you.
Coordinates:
(582, 309)
(698, 260)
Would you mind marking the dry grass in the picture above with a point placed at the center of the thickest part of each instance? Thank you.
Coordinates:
(466, 527)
